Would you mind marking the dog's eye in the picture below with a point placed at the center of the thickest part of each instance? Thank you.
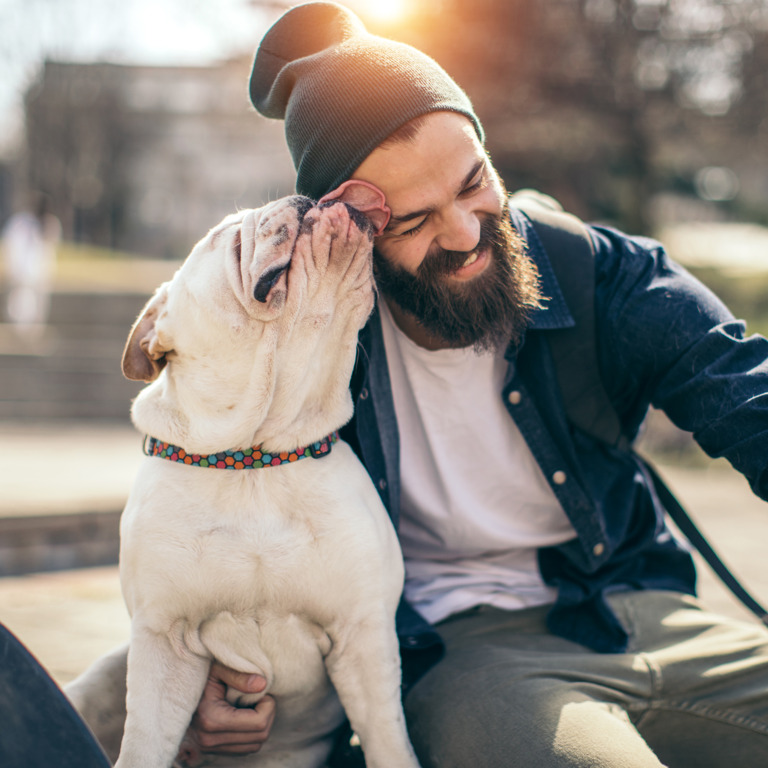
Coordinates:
(266, 281)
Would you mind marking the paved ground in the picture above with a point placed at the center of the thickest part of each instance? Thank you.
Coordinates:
(65, 468)
(68, 618)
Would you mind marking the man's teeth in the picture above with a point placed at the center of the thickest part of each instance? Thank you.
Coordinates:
(471, 260)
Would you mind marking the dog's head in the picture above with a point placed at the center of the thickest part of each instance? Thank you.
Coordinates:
(254, 338)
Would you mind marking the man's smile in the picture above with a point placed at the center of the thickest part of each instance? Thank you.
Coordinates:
(476, 262)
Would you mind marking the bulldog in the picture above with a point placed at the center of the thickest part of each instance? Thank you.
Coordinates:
(253, 535)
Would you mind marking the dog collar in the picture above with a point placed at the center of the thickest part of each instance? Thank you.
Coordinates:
(247, 458)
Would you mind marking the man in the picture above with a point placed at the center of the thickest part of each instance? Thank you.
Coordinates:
(548, 616)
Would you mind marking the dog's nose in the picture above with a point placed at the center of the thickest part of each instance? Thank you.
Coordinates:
(302, 204)
(362, 222)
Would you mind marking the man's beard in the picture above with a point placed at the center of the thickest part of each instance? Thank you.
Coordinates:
(487, 311)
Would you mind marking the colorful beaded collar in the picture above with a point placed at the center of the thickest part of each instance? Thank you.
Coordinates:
(247, 458)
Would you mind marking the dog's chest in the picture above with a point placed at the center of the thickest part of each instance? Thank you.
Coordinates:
(199, 539)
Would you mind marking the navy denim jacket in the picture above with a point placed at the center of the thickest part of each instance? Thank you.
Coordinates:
(664, 339)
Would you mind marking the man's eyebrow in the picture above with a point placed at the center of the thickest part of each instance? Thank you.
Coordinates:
(408, 216)
(424, 211)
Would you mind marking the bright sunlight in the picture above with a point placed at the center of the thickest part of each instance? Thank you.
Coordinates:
(383, 11)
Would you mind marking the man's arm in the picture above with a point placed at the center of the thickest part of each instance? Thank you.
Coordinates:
(667, 340)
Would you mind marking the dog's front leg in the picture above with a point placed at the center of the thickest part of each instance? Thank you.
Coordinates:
(364, 666)
(164, 689)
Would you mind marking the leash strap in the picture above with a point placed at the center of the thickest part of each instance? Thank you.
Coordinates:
(683, 521)
(247, 458)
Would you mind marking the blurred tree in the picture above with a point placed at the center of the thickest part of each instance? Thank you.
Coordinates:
(79, 147)
(598, 102)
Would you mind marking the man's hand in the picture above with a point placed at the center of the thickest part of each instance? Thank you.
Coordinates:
(220, 728)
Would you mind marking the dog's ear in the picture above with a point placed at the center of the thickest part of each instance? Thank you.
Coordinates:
(144, 354)
(366, 198)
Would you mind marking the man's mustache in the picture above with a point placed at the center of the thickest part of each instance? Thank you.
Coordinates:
(440, 261)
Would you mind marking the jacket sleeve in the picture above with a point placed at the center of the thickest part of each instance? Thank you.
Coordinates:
(667, 340)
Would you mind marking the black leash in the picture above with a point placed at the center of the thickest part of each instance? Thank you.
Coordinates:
(693, 534)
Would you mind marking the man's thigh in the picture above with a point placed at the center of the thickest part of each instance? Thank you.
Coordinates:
(709, 703)
(510, 693)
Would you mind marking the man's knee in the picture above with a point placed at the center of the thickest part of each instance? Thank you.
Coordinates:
(493, 714)
(476, 714)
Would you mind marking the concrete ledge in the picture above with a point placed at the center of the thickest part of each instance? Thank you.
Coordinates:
(35, 543)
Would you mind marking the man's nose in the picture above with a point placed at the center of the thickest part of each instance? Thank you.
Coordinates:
(460, 231)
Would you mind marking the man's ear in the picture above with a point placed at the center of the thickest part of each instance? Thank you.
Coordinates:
(144, 354)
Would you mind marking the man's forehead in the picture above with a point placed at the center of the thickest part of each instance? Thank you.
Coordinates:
(437, 160)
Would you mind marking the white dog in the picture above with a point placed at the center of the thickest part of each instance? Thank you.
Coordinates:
(291, 570)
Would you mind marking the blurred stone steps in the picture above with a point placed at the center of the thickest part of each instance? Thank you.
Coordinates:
(70, 369)
(38, 543)
(63, 485)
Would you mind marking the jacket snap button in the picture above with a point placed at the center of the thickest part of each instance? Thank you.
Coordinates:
(382, 484)
(514, 397)
(363, 394)
(598, 549)
(559, 477)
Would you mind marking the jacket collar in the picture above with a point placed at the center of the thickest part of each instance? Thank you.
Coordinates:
(554, 312)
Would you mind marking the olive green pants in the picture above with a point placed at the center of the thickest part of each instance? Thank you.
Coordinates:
(690, 692)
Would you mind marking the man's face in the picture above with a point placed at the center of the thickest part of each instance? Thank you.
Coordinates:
(452, 269)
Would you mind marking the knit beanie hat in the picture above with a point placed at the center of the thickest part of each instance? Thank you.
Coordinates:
(342, 91)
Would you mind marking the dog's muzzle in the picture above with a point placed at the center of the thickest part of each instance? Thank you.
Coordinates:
(264, 284)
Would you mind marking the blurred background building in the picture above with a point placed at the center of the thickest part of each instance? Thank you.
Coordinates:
(145, 159)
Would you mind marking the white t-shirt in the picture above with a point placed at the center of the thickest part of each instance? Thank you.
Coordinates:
(475, 506)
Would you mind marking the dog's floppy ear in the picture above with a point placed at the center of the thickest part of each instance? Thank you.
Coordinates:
(144, 355)
(367, 198)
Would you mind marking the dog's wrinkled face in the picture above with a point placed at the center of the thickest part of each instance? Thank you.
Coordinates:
(242, 266)
(262, 244)
(264, 311)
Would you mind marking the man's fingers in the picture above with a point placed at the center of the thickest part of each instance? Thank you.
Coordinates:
(221, 717)
(229, 743)
(240, 681)
(229, 740)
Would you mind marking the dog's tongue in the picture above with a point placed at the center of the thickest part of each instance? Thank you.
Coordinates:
(366, 198)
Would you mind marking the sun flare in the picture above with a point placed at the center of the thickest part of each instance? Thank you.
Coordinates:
(383, 11)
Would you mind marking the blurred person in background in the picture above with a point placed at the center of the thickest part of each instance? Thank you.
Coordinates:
(549, 616)
(30, 239)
